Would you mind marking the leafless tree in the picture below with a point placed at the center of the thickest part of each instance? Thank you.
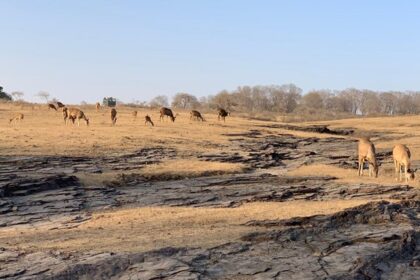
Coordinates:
(43, 95)
(17, 95)
(185, 101)
(159, 101)
(313, 100)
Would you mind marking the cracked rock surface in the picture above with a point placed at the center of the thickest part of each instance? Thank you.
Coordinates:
(374, 241)
(379, 240)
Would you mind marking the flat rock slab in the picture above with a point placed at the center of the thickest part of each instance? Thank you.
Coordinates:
(374, 241)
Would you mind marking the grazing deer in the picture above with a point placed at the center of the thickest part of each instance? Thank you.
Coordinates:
(367, 153)
(113, 116)
(402, 155)
(60, 105)
(148, 119)
(98, 106)
(166, 112)
(134, 114)
(196, 115)
(66, 114)
(74, 113)
(223, 114)
(52, 106)
(17, 118)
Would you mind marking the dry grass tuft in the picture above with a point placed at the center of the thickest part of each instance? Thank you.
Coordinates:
(189, 168)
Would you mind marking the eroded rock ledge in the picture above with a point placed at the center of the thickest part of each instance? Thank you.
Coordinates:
(374, 241)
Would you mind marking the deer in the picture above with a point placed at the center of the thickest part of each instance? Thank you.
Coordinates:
(113, 116)
(98, 106)
(367, 153)
(65, 114)
(148, 119)
(167, 112)
(60, 105)
(223, 114)
(74, 113)
(52, 106)
(134, 114)
(17, 118)
(196, 115)
(401, 155)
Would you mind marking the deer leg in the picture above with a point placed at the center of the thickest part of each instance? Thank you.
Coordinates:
(362, 165)
(399, 172)
(360, 172)
(396, 170)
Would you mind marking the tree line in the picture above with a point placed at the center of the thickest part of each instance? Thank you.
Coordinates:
(289, 99)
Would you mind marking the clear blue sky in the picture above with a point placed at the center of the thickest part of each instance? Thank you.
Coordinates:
(134, 50)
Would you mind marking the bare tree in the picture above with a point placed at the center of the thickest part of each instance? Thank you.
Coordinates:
(389, 103)
(370, 103)
(43, 95)
(159, 101)
(17, 95)
(353, 100)
(293, 95)
(313, 100)
(185, 101)
(223, 100)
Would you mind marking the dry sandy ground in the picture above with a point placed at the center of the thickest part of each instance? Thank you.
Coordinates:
(43, 132)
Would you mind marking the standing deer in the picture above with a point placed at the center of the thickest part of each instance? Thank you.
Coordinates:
(60, 105)
(74, 113)
(196, 115)
(223, 114)
(17, 118)
(98, 106)
(134, 114)
(148, 119)
(166, 112)
(52, 106)
(402, 155)
(113, 116)
(367, 153)
(65, 114)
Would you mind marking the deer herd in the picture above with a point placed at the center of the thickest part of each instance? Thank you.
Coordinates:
(400, 154)
(366, 149)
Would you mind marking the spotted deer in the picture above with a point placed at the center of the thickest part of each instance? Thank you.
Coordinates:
(367, 153)
(134, 114)
(194, 114)
(65, 114)
(52, 106)
(113, 116)
(60, 105)
(74, 113)
(166, 112)
(401, 155)
(17, 118)
(223, 114)
(148, 120)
